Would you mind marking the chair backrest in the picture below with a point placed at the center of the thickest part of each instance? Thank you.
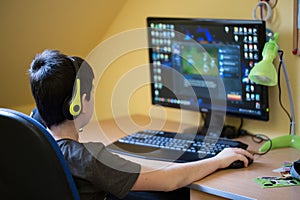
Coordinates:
(32, 165)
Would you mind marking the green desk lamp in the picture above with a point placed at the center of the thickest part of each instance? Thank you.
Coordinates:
(264, 73)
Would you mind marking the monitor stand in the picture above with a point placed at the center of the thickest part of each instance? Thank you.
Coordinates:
(214, 125)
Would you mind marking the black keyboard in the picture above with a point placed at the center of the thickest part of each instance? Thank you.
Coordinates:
(171, 146)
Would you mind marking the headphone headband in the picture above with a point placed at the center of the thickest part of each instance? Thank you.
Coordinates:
(75, 64)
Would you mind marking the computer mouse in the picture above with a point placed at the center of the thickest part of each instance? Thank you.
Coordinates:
(239, 164)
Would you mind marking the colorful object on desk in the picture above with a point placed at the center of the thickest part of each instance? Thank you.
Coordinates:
(272, 182)
(286, 179)
(285, 168)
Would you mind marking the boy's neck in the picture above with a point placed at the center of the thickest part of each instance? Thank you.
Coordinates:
(66, 130)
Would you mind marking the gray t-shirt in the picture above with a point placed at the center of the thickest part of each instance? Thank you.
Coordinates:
(96, 171)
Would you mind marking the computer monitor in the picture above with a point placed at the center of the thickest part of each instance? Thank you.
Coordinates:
(203, 65)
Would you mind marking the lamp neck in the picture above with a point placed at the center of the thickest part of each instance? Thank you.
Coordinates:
(290, 96)
(270, 51)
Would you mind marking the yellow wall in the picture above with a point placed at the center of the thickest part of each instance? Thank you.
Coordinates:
(131, 64)
(107, 34)
(28, 27)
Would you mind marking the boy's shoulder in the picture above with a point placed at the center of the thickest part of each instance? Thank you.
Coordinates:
(68, 145)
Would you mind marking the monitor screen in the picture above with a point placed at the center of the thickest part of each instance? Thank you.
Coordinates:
(203, 65)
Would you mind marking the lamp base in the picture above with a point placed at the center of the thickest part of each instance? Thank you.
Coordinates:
(281, 142)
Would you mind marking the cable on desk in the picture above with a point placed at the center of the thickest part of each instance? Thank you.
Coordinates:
(257, 138)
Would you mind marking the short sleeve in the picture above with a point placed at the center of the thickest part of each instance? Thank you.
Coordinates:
(111, 172)
(97, 170)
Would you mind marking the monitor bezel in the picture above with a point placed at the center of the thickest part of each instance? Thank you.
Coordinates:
(265, 114)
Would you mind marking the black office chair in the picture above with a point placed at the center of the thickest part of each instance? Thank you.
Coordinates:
(32, 165)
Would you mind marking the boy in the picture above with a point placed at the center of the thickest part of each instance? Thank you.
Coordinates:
(62, 87)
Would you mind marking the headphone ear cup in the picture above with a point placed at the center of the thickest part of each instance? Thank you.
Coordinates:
(75, 103)
(72, 106)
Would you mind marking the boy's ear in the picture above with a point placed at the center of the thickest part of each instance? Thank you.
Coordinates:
(83, 103)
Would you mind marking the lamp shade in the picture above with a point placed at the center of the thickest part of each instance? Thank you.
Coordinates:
(264, 73)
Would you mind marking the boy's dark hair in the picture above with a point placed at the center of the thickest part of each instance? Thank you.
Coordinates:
(52, 78)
